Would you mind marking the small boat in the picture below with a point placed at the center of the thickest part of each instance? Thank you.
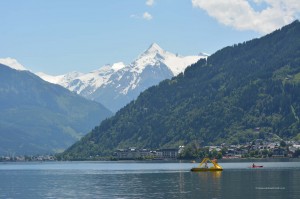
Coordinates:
(256, 166)
(215, 167)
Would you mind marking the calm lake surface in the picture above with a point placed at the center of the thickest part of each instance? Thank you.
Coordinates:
(148, 180)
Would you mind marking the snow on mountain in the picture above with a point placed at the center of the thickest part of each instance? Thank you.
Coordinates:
(116, 85)
(12, 63)
(49, 78)
(175, 63)
(118, 66)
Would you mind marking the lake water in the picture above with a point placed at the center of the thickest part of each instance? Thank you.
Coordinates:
(148, 180)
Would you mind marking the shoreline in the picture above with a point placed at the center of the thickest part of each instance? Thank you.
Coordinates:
(233, 160)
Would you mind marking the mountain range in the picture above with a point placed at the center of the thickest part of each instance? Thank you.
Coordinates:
(116, 85)
(38, 117)
(240, 93)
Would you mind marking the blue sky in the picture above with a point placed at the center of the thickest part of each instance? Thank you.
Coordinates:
(60, 36)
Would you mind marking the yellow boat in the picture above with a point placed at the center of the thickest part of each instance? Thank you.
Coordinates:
(215, 167)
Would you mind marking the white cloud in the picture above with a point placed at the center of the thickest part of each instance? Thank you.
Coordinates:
(242, 16)
(149, 2)
(147, 16)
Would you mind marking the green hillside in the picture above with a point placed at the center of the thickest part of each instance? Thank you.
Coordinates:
(251, 85)
(38, 117)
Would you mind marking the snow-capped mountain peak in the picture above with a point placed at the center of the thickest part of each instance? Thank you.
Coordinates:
(63, 80)
(154, 48)
(12, 63)
(117, 84)
(118, 66)
(155, 55)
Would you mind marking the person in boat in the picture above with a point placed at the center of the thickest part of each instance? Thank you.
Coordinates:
(253, 165)
(215, 161)
(205, 165)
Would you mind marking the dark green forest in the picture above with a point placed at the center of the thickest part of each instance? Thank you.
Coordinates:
(251, 85)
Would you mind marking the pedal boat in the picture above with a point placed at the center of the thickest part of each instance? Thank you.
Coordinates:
(195, 169)
(215, 167)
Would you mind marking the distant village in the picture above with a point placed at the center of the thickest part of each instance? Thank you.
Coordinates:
(256, 149)
(134, 153)
(21, 158)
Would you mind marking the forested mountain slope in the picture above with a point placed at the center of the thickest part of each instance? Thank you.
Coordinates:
(253, 85)
(37, 117)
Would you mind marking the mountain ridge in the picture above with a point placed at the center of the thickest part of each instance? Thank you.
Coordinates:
(12, 63)
(224, 98)
(38, 117)
(116, 85)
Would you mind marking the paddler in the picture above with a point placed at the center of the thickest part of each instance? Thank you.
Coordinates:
(205, 165)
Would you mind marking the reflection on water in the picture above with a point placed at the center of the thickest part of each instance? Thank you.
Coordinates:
(139, 180)
(207, 184)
